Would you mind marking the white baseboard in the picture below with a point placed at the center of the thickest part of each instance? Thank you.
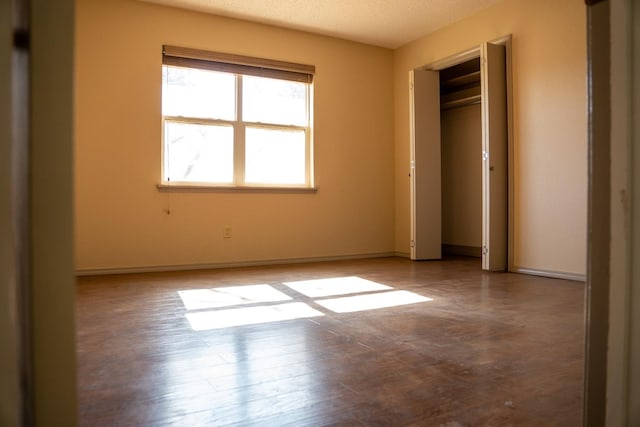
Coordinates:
(257, 263)
(548, 273)
(209, 266)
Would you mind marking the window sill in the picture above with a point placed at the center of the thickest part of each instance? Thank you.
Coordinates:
(205, 188)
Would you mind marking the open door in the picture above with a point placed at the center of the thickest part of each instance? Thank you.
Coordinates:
(425, 191)
(494, 154)
(425, 158)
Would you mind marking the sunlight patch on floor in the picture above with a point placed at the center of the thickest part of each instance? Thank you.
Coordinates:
(336, 286)
(198, 299)
(206, 320)
(371, 301)
(353, 293)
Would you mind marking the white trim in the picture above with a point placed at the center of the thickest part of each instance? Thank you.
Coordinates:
(203, 187)
(284, 261)
(511, 244)
(412, 167)
(452, 60)
(549, 273)
(211, 266)
(466, 55)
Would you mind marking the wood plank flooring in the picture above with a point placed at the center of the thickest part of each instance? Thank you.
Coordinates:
(487, 349)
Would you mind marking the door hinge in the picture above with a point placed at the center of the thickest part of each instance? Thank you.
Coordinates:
(485, 250)
(485, 155)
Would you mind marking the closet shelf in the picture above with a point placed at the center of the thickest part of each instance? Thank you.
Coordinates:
(474, 91)
(461, 102)
(466, 80)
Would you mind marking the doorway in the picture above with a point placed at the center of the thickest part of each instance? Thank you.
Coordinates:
(461, 168)
(478, 76)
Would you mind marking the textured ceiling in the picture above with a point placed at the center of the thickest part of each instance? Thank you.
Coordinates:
(386, 23)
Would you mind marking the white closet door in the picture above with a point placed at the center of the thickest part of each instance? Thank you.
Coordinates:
(426, 192)
(494, 154)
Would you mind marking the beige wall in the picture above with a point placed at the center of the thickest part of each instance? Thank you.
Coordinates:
(549, 124)
(120, 215)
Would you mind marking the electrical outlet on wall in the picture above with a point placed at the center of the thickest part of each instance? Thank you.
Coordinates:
(226, 232)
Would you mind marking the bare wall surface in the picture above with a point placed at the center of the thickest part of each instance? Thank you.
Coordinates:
(549, 124)
(120, 215)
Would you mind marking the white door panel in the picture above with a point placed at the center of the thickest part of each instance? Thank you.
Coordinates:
(425, 192)
(494, 148)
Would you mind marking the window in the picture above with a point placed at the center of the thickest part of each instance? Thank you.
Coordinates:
(235, 121)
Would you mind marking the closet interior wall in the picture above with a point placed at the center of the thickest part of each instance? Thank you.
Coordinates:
(461, 128)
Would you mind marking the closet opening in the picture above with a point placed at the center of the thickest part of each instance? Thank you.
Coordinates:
(461, 153)
(460, 161)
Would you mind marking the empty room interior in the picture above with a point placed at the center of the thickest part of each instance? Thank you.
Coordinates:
(355, 295)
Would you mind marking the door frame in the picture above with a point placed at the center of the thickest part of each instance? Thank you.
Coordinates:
(17, 396)
(456, 59)
(612, 330)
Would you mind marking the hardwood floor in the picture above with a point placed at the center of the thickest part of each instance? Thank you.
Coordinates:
(487, 349)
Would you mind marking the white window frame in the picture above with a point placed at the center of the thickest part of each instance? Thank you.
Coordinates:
(240, 66)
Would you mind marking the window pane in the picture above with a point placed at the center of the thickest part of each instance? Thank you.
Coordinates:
(275, 101)
(275, 156)
(198, 153)
(189, 92)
